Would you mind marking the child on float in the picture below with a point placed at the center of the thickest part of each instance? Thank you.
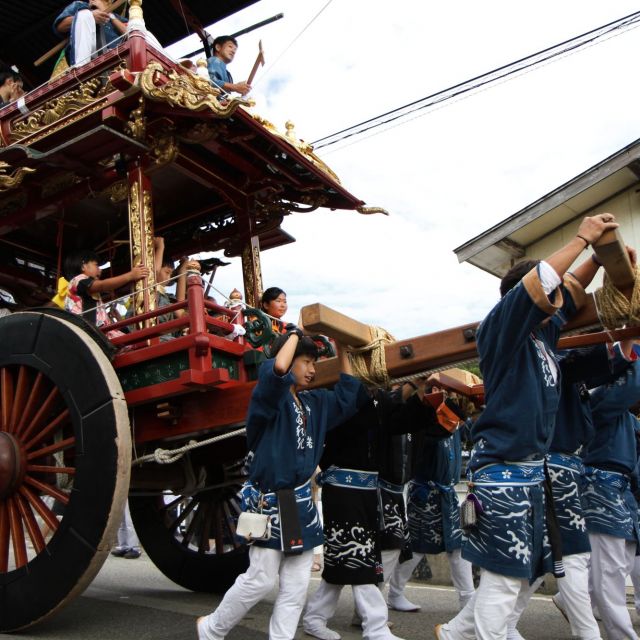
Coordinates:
(286, 427)
(274, 303)
(83, 294)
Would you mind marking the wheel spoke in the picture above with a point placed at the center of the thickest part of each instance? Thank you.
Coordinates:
(182, 516)
(20, 398)
(48, 489)
(58, 446)
(41, 468)
(6, 397)
(48, 430)
(4, 536)
(32, 525)
(192, 525)
(230, 524)
(173, 503)
(33, 402)
(43, 511)
(219, 532)
(17, 534)
(43, 412)
(203, 545)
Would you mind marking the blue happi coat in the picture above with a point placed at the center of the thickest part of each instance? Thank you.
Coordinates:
(581, 369)
(285, 444)
(513, 433)
(611, 458)
(432, 506)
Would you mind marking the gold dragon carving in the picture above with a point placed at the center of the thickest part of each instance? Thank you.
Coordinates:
(73, 105)
(9, 180)
(186, 90)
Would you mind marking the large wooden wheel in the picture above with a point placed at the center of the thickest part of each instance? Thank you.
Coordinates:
(65, 454)
(191, 539)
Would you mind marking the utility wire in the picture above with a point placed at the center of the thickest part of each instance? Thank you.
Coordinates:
(273, 64)
(500, 73)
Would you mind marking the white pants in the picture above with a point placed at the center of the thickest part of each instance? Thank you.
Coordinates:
(461, 575)
(370, 606)
(390, 561)
(486, 614)
(573, 597)
(127, 538)
(265, 565)
(612, 560)
(84, 38)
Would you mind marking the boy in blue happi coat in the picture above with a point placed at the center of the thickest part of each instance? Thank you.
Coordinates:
(286, 427)
(516, 343)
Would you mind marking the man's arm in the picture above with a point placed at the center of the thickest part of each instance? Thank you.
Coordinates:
(589, 231)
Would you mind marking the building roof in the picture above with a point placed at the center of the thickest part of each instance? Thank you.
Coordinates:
(494, 248)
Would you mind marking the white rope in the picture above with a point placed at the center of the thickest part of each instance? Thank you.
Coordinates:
(168, 456)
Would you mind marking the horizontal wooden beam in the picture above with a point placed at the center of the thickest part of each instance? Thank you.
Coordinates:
(612, 252)
(318, 318)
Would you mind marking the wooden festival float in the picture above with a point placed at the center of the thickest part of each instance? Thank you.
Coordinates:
(105, 156)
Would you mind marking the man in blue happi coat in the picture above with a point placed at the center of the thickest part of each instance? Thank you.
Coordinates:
(434, 517)
(286, 428)
(610, 510)
(510, 541)
(581, 370)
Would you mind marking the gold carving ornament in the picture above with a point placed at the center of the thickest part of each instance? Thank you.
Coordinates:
(10, 181)
(367, 211)
(300, 145)
(136, 127)
(185, 90)
(164, 147)
(88, 97)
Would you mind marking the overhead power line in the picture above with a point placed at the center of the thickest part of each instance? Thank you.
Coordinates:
(500, 73)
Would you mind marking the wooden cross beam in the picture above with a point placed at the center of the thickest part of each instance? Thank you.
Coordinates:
(612, 252)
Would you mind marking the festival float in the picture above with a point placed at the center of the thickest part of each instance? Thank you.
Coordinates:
(106, 156)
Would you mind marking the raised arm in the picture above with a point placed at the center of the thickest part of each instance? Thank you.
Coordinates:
(589, 231)
(111, 284)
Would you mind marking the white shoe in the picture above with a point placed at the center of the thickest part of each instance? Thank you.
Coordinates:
(202, 633)
(400, 603)
(323, 633)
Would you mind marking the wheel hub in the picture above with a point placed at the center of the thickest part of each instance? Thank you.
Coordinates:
(11, 465)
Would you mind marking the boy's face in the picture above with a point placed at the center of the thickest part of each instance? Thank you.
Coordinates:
(165, 272)
(226, 51)
(91, 269)
(304, 371)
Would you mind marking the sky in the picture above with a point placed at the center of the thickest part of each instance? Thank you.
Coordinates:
(446, 176)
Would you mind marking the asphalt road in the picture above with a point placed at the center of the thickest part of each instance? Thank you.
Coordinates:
(131, 600)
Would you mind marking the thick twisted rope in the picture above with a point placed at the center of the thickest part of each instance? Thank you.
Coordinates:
(168, 456)
(614, 309)
(375, 373)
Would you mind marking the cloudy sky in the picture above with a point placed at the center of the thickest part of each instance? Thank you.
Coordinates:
(445, 176)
